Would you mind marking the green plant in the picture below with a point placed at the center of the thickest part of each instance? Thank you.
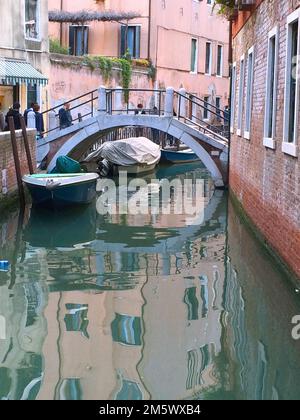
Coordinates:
(226, 7)
(152, 72)
(55, 47)
(105, 66)
(126, 67)
(90, 62)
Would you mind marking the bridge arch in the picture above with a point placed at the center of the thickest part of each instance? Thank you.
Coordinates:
(86, 135)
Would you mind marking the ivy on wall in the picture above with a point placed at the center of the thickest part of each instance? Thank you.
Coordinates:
(106, 64)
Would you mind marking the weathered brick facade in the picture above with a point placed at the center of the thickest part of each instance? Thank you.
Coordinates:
(266, 181)
(7, 160)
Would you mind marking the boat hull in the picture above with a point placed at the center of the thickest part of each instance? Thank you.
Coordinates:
(135, 169)
(183, 156)
(78, 193)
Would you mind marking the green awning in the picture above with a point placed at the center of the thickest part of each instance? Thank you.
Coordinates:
(14, 72)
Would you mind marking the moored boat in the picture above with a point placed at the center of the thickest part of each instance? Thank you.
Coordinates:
(179, 156)
(136, 155)
(60, 190)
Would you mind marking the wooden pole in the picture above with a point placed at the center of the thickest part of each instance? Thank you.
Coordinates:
(11, 125)
(26, 143)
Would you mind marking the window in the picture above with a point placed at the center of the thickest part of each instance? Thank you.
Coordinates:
(32, 19)
(218, 105)
(271, 77)
(131, 40)
(249, 93)
(220, 61)
(32, 95)
(78, 40)
(208, 59)
(206, 105)
(233, 95)
(291, 86)
(194, 56)
(241, 96)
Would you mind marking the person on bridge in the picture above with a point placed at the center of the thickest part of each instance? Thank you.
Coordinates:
(140, 110)
(65, 117)
(39, 121)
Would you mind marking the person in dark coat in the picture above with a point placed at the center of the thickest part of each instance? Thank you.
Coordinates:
(15, 113)
(140, 110)
(39, 121)
(65, 117)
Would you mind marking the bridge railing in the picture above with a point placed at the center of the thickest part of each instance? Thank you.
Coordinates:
(116, 101)
(127, 101)
(205, 116)
(87, 102)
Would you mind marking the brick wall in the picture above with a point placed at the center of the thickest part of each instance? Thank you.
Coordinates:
(266, 181)
(7, 160)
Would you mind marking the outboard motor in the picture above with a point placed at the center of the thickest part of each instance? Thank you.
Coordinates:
(104, 168)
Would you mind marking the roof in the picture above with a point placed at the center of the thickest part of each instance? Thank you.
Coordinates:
(18, 71)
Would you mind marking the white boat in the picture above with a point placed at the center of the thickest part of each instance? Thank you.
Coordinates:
(136, 155)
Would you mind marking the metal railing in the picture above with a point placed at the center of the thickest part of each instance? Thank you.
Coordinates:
(158, 105)
(92, 97)
(190, 108)
(187, 108)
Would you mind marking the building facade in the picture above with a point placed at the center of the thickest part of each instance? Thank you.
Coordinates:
(186, 42)
(264, 171)
(23, 53)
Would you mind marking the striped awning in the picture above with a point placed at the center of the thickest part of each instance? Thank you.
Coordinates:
(14, 72)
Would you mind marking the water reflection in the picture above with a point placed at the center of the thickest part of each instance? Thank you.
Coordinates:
(142, 307)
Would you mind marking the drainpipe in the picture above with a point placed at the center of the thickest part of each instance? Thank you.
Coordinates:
(149, 28)
(61, 25)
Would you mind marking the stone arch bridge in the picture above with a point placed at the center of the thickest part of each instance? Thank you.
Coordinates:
(211, 146)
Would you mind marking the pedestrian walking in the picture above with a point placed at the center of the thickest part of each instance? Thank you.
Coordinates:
(65, 117)
(39, 121)
(15, 113)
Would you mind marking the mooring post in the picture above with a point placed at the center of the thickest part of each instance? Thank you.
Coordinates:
(26, 143)
(12, 130)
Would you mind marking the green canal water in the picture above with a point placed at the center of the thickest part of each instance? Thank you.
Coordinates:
(144, 306)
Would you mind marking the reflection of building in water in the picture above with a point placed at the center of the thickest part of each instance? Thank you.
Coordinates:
(21, 359)
(117, 307)
(183, 330)
(263, 357)
(93, 346)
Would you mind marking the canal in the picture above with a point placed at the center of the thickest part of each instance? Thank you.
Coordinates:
(144, 306)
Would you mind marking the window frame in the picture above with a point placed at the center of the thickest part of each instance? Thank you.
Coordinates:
(222, 60)
(249, 93)
(206, 108)
(270, 141)
(133, 25)
(38, 23)
(196, 55)
(241, 96)
(210, 59)
(233, 97)
(291, 147)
